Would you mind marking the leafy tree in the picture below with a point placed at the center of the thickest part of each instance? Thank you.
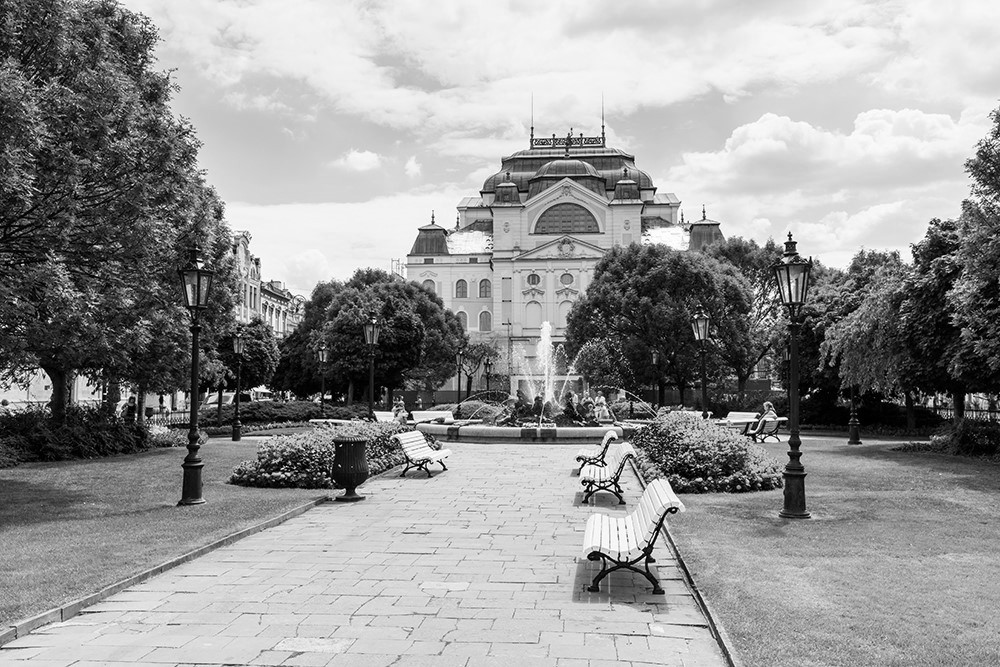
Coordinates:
(644, 297)
(298, 368)
(260, 355)
(473, 356)
(754, 262)
(98, 190)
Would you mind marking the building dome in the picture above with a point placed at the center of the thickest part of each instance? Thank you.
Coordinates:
(554, 171)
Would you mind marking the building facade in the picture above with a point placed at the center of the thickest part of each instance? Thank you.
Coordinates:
(267, 299)
(524, 249)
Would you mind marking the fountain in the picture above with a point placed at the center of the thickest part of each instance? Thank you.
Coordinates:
(541, 379)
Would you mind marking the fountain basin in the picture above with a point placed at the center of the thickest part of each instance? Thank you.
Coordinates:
(585, 435)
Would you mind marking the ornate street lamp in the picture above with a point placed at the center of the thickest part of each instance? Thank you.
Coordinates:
(853, 426)
(699, 324)
(238, 350)
(487, 369)
(792, 276)
(459, 377)
(372, 330)
(197, 282)
(322, 379)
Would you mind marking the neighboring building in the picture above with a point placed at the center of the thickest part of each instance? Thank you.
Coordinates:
(267, 299)
(524, 250)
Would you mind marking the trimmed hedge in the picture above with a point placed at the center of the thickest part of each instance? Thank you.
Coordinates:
(696, 456)
(305, 460)
(273, 412)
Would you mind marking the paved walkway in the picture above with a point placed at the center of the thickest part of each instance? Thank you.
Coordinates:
(477, 566)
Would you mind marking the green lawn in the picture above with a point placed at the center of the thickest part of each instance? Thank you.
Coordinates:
(69, 529)
(899, 564)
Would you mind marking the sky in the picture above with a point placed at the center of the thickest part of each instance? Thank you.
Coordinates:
(332, 129)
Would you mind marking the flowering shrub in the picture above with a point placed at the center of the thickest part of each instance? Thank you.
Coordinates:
(305, 460)
(699, 457)
(968, 437)
(161, 436)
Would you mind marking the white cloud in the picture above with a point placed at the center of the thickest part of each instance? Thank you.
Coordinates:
(355, 160)
(412, 167)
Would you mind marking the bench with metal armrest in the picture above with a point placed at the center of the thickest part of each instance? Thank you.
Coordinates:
(418, 453)
(596, 455)
(767, 428)
(607, 478)
(623, 542)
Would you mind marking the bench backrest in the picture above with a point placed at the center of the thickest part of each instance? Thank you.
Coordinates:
(622, 453)
(770, 425)
(431, 415)
(657, 501)
(412, 442)
(742, 416)
(383, 416)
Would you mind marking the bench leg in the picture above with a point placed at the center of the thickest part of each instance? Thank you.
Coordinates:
(605, 571)
(408, 466)
(443, 466)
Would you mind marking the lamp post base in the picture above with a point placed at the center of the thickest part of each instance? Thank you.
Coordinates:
(191, 488)
(795, 495)
(237, 432)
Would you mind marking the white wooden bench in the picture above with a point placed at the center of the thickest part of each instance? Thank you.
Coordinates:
(418, 454)
(739, 421)
(425, 416)
(596, 455)
(767, 428)
(606, 478)
(381, 416)
(621, 542)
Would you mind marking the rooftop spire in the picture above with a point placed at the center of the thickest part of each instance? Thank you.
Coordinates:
(703, 216)
(603, 142)
(682, 217)
(432, 216)
(531, 143)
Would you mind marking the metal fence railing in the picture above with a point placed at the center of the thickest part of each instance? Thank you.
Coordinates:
(970, 413)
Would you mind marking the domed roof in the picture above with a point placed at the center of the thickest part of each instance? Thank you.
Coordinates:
(566, 167)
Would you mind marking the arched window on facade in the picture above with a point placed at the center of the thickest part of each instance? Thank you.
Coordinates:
(461, 290)
(564, 308)
(533, 315)
(485, 289)
(567, 219)
(463, 319)
(429, 286)
(485, 321)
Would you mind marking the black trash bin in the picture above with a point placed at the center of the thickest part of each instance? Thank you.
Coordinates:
(350, 466)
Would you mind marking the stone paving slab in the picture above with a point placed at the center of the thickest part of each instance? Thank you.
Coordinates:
(479, 565)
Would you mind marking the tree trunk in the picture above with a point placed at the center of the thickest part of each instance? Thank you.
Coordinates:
(140, 404)
(958, 404)
(741, 387)
(661, 390)
(350, 392)
(112, 393)
(468, 386)
(219, 413)
(911, 413)
(62, 392)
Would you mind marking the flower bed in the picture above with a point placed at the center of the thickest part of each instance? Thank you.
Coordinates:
(305, 460)
(697, 456)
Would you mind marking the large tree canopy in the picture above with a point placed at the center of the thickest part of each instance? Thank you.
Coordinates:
(99, 196)
(645, 295)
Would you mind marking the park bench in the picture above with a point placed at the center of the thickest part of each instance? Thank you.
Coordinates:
(606, 478)
(767, 428)
(427, 416)
(739, 421)
(418, 453)
(596, 455)
(382, 416)
(622, 542)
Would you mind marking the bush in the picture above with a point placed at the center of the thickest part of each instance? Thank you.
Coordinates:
(305, 460)
(161, 436)
(472, 410)
(696, 456)
(88, 432)
(274, 412)
(634, 410)
(968, 437)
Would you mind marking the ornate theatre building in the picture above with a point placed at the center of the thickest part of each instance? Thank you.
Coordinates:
(524, 248)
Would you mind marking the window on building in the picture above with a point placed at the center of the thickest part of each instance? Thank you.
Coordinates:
(473, 260)
(429, 286)
(428, 260)
(485, 289)
(566, 279)
(463, 319)
(567, 219)
(461, 290)
(485, 321)
(534, 279)
(533, 315)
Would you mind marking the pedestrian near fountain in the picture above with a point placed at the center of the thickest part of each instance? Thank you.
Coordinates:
(601, 411)
(399, 414)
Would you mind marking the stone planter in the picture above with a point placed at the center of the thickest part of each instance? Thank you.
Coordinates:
(350, 466)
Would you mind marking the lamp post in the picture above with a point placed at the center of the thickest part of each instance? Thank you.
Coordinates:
(487, 369)
(458, 380)
(238, 350)
(699, 324)
(853, 434)
(322, 379)
(372, 329)
(197, 282)
(792, 276)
